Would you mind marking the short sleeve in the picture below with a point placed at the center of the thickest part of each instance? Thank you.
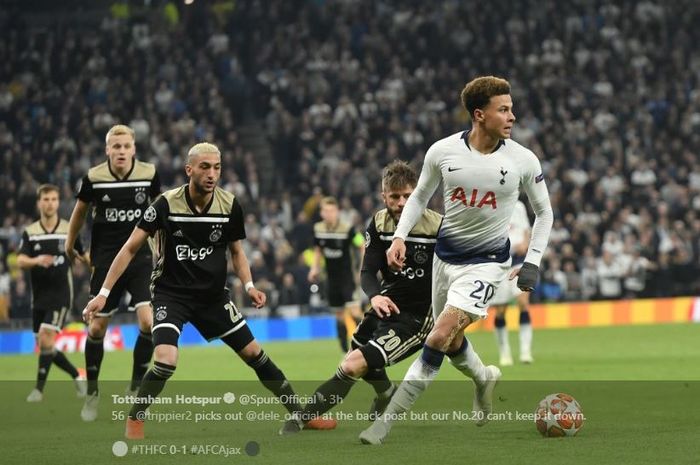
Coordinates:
(236, 226)
(24, 245)
(85, 191)
(155, 216)
(155, 185)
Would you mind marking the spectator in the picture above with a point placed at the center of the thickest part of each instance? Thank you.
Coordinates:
(610, 273)
(4, 293)
(335, 103)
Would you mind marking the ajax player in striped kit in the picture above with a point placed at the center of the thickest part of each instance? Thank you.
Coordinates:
(481, 171)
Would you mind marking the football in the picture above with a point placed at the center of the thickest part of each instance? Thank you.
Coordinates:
(558, 415)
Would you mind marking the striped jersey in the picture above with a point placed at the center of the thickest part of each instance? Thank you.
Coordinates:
(336, 247)
(117, 205)
(409, 288)
(191, 247)
(52, 287)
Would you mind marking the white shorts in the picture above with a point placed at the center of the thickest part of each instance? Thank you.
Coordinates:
(508, 290)
(467, 287)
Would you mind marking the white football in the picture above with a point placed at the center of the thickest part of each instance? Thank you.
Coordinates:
(558, 415)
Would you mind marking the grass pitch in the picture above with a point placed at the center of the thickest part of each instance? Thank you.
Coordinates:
(639, 388)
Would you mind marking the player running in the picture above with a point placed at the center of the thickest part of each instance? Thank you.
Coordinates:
(194, 227)
(481, 171)
(119, 191)
(335, 241)
(400, 318)
(43, 252)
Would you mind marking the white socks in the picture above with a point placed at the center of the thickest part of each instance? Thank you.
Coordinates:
(469, 363)
(503, 344)
(525, 339)
(416, 380)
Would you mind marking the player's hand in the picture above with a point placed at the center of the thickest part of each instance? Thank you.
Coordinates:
(44, 260)
(383, 306)
(527, 276)
(258, 297)
(94, 306)
(74, 256)
(396, 254)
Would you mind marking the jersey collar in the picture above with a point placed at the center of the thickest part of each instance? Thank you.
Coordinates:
(126, 176)
(191, 204)
(53, 230)
(465, 136)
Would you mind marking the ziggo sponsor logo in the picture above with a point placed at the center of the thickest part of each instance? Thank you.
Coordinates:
(185, 252)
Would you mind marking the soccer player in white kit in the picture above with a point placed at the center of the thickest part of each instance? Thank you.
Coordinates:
(481, 171)
(519, 236)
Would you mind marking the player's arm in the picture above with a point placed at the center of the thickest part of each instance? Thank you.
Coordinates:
(83, 253)
(121, 261)
(315, 265)
(428, 181)
(24, 259)
(76, 223)
(536, 189)
(26, 262)
(238, 258)
(242, 269)
(372, 261)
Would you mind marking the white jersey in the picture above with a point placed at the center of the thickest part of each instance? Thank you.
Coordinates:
(480, 193)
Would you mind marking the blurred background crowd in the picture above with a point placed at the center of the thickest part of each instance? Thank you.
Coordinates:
(308, 98)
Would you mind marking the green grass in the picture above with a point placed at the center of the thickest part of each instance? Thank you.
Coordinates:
(638, 386)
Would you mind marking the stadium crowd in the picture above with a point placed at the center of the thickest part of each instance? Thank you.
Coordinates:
(606, 94)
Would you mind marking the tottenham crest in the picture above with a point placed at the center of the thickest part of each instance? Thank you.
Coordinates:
(503, 176)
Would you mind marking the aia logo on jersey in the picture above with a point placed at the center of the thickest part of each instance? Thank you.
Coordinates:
(474, 199)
